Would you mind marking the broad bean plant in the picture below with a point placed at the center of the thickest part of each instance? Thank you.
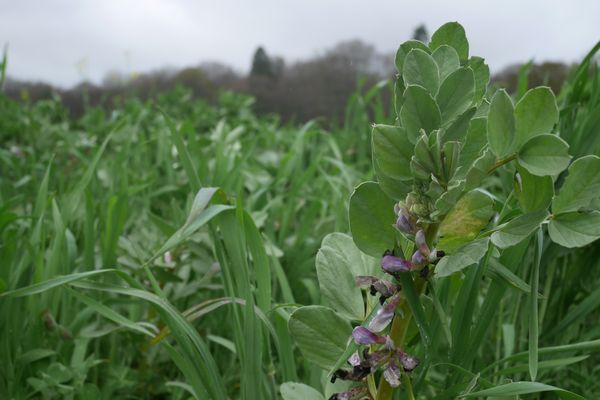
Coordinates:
(440, 215)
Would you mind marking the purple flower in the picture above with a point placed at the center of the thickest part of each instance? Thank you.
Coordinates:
(354, 359)
(383, 287)
(385, 314)
(363, 335)
(404, 222)
(418, 258)
(392, 374)
(408, 362)
(376, 359)
(421, 243)
(392, 264)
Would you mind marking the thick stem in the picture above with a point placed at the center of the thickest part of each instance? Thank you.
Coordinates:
(398, 334)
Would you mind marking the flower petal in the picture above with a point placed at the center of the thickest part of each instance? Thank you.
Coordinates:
(421, 243)
(408, 362)
(418, 258)
(392, 264)
(384, 315)
(354, 359)
(392, 374)
(363, 335)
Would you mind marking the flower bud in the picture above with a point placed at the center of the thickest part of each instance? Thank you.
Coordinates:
(418, 258)
(392, 264)
(421, 243)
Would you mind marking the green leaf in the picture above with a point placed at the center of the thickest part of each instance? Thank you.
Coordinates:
(372, 218)
(581, 187)
(535, 113)
(467, 255)
(480, 168)
(519, 388)
(464, 222)
(459, 128)
(533, 192)
(392, 151)
(545, 155)
(448, 199)
(451, 34)
(338, 262)
(518, 229)
(482, 76)
(456, 94)
(473, 143)
(419, 111)
(405, 48)
(501, 124)
(54, 282)
(320, 333)
(422, 163)
(200, 214)
(420, 69)
(299, 391)
(447, 60)
(575, 229)
(533, 306)
(396, 189)
(498, 271)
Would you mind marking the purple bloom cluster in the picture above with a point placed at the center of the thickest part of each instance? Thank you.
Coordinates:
(388, 357)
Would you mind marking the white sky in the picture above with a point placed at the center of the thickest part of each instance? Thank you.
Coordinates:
(62, 41)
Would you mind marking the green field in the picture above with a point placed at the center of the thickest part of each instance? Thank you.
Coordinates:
(176, 249)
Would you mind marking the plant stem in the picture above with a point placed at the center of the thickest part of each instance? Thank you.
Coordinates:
(408, 386)
(398, 334)
(500, 163)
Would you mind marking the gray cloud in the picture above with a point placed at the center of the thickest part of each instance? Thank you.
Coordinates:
(64, 41)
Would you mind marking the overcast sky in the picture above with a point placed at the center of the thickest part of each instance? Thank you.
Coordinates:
(63, 42)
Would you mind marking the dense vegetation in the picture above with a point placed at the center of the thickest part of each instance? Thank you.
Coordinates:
(159, 251)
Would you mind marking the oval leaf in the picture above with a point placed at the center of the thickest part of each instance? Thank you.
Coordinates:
(371, 219)
(299, 391)
(462, 258)
(419, 111)
(420, 69)
(545, 155)
(464, 222)
(447, 60)
(392, 151)
(518, 229)
(338, 262)
(575, 229)
(501, 124)
(456, 94)
(405, 48)
(533, 192)
(581, 186)
(320, 333)
(453, 35)
(535, 113)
